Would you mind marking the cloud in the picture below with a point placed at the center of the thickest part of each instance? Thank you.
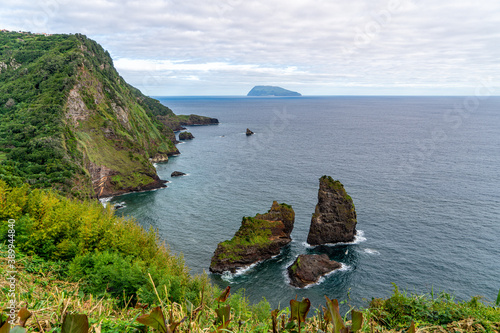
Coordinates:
(317, 46)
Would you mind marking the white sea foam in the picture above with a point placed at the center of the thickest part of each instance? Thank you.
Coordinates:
(155, 165)
(228, 276)
(358, 238)
(371, 251)
(122, 204)
(104, 201)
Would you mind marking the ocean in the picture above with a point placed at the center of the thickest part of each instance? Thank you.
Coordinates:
(423, 172)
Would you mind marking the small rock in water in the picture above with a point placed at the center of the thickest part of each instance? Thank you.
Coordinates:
(185, 136)
(308, 268)
(177, 174)
(119, 205)
(249, 132)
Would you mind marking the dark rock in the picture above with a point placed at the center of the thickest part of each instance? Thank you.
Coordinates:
(259, 238)
(177, 174)
(119, 205)
(334, 219)
(185, 136)
(249, 132)
(308, 268)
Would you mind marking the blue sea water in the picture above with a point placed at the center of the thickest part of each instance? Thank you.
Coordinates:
(424, 174)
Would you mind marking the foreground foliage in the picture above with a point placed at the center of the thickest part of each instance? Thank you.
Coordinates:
(89, 244)
(80, 266)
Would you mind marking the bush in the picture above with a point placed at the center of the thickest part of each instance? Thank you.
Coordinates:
(109, 272)
(107, 253)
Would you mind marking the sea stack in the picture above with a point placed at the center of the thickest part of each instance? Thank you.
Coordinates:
(308, 268)
(334, 219)
(185, 136)
(259, 238)
(249, 132)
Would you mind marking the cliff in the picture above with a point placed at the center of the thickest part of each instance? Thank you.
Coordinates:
(259, 238)
(271, 91)
(68, 121)
(334, 219)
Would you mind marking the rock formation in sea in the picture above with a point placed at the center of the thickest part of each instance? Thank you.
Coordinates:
(185, 136)
(177, 174)
(249, 132)
(271, 91)
(308, 268)
(259, 238)
(334, 219)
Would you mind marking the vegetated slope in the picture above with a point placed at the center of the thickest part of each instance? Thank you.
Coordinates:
(68, 121)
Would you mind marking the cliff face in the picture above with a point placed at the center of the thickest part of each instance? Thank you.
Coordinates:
(259, 238)
(334, 219)
(70, 122)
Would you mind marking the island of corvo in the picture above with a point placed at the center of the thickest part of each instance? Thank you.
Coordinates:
(272, 91)
(88, 133)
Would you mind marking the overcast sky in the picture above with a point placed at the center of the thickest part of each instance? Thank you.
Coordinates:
(316, 47)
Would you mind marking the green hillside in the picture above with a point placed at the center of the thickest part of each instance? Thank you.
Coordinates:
(68, 121)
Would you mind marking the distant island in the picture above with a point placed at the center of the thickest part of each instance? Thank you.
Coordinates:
(271, 91)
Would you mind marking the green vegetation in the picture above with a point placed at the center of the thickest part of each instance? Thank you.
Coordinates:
(333, 184)
(185, 136)
(89, 244)
(67, 119)
(77, 257)
(253, 232)
(439, 313)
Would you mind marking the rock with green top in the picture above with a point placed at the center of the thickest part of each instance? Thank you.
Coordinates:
(334, 219)
(185, 136)
(259, 238)
(309, 268)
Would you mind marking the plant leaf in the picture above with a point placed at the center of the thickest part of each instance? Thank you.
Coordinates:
(23, 315)
(18, 329)
(357, 320)
(155, 319)
(412, 328)
(223, 314)
(75, 323)
(299, 309)
(174, 324)
(333, 309)
(498, 299)
(274, 318)
(5, 327)
(223, 326)
(225, 294)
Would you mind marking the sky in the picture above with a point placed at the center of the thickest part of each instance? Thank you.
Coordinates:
(315, 47)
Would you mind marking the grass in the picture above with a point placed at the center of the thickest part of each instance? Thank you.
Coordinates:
(49, 298)
(432, 313)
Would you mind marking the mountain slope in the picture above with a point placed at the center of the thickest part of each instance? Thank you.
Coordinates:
(69, 121)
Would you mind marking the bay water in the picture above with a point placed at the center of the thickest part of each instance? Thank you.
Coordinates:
(423, 172)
